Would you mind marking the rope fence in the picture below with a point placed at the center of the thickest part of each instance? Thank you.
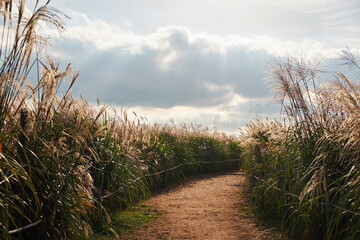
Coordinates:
(25, 227)
(118, 190)
(182, 164)
(203, 162)
(168, 170)
(193, 163)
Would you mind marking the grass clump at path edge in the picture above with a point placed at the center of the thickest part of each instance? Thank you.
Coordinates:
(304, 171)
(65, 165)
(126, 222)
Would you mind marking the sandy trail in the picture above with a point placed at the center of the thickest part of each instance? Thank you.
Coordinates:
(202, 209)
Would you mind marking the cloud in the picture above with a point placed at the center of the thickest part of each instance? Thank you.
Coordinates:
(107, 36)
(321, 20)
(174, 66)
(102, 34)
(226, 118)
(316, 6)
(175, 73)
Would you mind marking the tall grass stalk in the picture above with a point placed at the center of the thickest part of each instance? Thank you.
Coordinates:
(305, 171)
(66, 165)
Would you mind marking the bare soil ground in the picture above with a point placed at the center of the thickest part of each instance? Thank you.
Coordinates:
(208, 208)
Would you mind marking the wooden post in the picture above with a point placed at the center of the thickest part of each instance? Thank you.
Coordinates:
(183, 167)
(165, 175)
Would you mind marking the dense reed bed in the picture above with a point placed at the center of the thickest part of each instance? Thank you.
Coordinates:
(66, 165)
(305, 170)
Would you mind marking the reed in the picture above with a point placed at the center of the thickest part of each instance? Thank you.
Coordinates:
(65, 165)
(304, 171)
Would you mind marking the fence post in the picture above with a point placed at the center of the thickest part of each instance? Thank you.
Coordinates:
(165, 178)
(183, 166)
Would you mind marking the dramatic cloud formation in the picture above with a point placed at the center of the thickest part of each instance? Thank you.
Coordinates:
(291, 20)
(216, 77)
(172, 66)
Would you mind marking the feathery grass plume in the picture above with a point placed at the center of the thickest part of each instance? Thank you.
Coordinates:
(309, 180)
(65, 165)
(33, 165)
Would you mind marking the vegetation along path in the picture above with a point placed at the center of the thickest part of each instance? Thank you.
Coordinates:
(210, 208)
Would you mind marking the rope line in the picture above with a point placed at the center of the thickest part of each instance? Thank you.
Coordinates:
(193, 163)
(137, 179)
(167, 170)
(25, 227)
(230, 160)
(121, 188)
(154, 174)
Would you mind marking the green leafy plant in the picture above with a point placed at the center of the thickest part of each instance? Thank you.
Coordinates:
(303, 171)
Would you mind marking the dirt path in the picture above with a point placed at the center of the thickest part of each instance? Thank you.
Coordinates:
(202, 209)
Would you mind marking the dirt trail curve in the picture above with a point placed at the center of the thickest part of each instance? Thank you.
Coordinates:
(203, 209)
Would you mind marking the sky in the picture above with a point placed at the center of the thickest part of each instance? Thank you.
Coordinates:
(201, 61)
